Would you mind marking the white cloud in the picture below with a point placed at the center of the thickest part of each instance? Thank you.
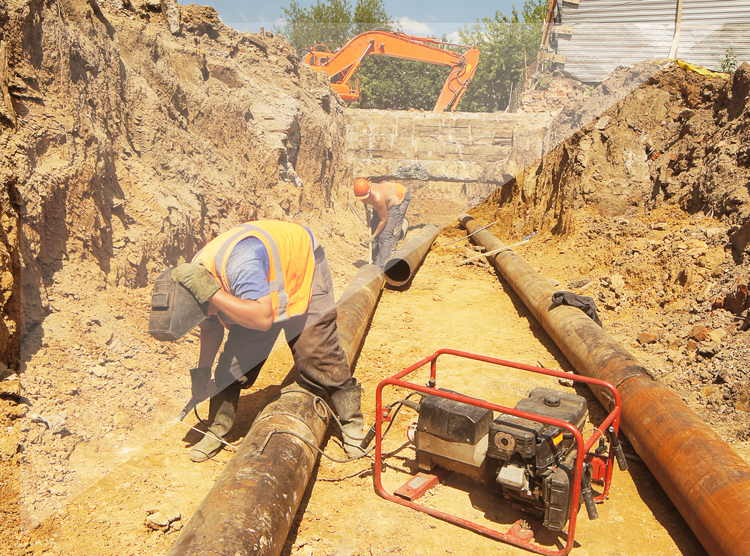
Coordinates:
(252, 18)
(454, 38)
(414, 27)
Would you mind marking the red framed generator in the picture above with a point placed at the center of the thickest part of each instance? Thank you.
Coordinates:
(532, 456)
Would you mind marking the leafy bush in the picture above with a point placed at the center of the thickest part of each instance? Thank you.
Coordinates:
(729, 63)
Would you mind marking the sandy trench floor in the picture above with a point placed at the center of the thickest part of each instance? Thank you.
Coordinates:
(445, 306)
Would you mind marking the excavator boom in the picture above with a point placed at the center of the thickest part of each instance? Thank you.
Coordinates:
(341, 65)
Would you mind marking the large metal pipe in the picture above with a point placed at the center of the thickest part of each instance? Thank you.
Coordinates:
(402, 265)
(708, 482)
(250, 508)
(355, 308)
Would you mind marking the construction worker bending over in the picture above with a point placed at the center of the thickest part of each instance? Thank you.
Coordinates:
(389, 201)
(258, 279)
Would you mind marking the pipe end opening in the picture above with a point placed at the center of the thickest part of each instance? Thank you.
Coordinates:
(397, 272)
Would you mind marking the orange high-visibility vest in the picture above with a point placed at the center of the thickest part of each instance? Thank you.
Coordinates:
(291, 262)
(398, 189)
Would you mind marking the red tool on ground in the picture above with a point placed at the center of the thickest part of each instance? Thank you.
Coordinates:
(533, 455)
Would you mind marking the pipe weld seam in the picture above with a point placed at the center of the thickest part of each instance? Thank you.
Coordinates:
(632, 375)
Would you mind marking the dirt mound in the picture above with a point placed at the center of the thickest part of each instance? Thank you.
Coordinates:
(640, 207)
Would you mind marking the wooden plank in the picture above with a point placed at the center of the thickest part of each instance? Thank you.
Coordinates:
(562, 29)
(576, 2)
(676, 38)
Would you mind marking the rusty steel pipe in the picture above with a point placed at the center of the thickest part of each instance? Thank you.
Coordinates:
(707, 481)
(250, 508)
(356, 307)
(403, 264)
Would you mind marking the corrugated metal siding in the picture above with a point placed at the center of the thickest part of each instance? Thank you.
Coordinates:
(595, 49)
(710, 27)
(618, 11)
(612, 33)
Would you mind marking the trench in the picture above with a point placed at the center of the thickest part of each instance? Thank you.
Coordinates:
(139, 467)
(701, 508)
(445, 306)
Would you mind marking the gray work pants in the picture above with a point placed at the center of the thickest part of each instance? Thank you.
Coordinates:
(383, 246)
(313, 338)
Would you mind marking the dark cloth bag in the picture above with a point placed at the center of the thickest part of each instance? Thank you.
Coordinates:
(583, 302)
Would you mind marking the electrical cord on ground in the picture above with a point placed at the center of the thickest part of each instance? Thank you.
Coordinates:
(398, 404)
(318, 400)
(318, 404)
(322, 452)
(217, 437)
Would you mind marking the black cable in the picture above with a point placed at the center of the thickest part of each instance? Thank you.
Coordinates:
(318, 401)
(322, 452)
(399, 404)
(201, 421)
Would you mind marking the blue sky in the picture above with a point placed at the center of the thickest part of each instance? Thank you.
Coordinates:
(417, 17)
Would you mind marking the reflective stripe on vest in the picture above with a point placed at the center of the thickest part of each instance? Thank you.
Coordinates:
(399, 192)
(299, 267)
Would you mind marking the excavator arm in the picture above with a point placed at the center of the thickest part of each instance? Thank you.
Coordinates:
(341, 65)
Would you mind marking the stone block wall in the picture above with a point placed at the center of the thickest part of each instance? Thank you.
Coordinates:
(442, 146)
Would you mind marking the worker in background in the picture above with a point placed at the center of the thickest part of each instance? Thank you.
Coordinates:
(389, 201)
(259, 278)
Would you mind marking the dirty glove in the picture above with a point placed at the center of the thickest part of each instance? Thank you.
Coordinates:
(199, 379)
(370, 240)
(197, 280)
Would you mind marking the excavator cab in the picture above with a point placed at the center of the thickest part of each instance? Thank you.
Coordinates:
(316, 56)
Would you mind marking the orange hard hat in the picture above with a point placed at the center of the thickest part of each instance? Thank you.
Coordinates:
(361, 187)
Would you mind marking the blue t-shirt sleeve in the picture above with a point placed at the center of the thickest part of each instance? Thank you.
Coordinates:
(247, 269)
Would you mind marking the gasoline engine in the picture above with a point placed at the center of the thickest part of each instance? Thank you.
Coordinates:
(527, 462)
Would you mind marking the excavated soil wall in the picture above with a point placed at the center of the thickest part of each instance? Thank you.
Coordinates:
(680, 138)
(128, 139)
(643, 195)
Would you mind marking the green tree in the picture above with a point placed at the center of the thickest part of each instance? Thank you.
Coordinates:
(394, 84)
(386, 83)
(502, 41)
(330, 22)
(368, 15)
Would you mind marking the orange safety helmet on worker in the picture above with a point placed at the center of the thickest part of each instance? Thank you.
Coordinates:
(291, 262)
(361, 187)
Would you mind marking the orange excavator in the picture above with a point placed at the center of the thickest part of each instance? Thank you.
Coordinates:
(341, 65)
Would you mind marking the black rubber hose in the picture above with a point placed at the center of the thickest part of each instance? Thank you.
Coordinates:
(619, 454)
(587, 494)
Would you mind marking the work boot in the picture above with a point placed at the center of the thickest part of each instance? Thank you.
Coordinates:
(222, 410)
(401, 232)
(347, 403)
